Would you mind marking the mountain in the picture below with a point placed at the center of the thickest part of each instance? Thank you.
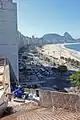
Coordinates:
(51, 38)
(68, 37)
(56, 38)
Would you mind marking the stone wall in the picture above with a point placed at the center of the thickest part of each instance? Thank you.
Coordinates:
(45, 98)
(60, 100)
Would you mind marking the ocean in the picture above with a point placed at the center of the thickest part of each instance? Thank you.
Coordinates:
(73, 46)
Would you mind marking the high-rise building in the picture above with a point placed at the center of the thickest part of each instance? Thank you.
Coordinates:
(8, 33)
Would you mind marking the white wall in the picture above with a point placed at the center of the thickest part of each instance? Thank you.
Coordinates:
(20, 40)
(8, 34)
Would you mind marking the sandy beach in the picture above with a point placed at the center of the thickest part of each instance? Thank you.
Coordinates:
(57, 50)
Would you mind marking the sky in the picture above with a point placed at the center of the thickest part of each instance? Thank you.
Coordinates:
(39, 17)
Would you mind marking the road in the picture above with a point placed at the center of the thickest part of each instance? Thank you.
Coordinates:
(38, 74)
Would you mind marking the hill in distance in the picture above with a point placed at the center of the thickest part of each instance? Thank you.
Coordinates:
(55, 38)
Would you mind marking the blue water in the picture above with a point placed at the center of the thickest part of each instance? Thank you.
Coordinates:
(73, 46)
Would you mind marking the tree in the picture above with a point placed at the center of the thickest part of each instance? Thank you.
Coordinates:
(66, 59)
(75, 78)
(62, 68)
(69, 60)
(72, 60)
(77, 63)
(62, 57)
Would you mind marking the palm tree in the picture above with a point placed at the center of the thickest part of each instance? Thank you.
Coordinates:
(75, 78)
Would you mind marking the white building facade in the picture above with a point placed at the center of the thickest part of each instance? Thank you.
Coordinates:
(21, 40)
(8, 33)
